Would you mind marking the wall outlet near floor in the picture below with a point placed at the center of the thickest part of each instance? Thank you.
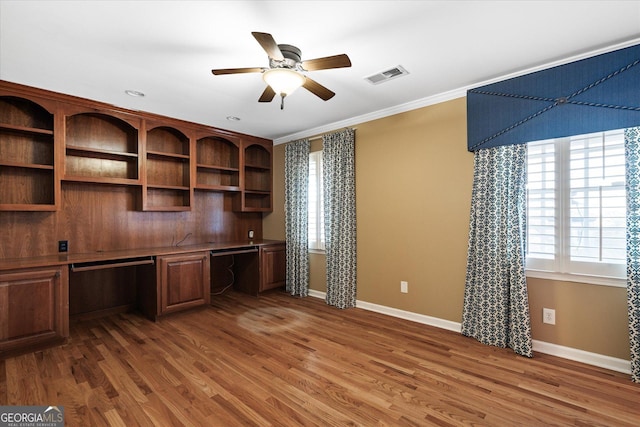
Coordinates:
(63, 245)
(404, 287)
(549, 316)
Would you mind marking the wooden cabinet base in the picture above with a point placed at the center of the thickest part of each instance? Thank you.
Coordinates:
(34, 308)
(39, 295)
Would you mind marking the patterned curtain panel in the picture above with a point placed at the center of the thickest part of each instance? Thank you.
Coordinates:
(296, 189)
(632, 154)
(496, 302)
(338, 157)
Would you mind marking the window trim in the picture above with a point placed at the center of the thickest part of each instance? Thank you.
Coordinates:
(615, 282)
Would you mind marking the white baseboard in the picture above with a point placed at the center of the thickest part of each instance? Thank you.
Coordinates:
(595, 359)
(317, 294)
(408, 315)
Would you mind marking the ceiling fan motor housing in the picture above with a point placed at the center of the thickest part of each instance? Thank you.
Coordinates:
(292, 57)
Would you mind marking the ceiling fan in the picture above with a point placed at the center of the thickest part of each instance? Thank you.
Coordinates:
(285, 72)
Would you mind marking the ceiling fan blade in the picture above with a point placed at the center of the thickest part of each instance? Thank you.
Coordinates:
(317, 89)
(269, 45)
(267, 95)
(237, 70)
(336, 61)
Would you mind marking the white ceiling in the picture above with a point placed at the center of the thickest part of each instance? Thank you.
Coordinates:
(166, 49)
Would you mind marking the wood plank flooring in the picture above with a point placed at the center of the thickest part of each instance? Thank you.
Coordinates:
(283, 361)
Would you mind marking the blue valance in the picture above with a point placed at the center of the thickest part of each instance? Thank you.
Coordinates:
(591, 95)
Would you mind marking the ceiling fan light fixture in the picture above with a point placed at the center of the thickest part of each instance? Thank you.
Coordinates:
(283, 81)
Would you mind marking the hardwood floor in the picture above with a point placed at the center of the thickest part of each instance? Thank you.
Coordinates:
(284, 361)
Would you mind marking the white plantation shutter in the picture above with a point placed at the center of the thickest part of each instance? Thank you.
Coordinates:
(576, 212)
(316, 211)
(597, 203)
(541, 205)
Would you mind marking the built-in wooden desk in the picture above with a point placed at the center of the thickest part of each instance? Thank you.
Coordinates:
(39, 295)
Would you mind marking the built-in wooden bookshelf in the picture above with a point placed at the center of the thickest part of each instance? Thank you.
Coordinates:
(164, 159)
(218, 164)
(114, 186)
(168, 171)
(27, 154)
(256, 195)
(101, 149)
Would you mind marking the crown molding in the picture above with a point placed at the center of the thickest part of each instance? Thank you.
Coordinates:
(413, 105)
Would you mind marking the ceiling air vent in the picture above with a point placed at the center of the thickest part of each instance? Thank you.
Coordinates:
(386, 75)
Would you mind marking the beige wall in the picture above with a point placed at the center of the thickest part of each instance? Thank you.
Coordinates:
(273, 222)
(413, 189)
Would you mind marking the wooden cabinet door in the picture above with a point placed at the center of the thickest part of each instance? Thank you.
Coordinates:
(34, 307)
(273, 259)
(184, 281)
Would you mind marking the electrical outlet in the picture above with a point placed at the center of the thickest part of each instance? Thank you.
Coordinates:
(549, 316)
(404, 287)
(63, 245)
(251, 234)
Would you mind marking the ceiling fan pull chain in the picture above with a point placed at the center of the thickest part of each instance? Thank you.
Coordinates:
(282, 95)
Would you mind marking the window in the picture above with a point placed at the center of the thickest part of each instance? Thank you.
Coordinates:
(576, 208)
(316, 205)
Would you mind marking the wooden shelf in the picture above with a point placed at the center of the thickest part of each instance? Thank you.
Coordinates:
(217, 168)
(168, 187)
(10, 164)
(27, 207)
(25, 129)
(167, 209)
(220, 188)
(159, 154)
(99, 153)
(101, 180)
(257, 167)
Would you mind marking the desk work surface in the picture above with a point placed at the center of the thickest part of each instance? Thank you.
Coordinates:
(115, 255)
